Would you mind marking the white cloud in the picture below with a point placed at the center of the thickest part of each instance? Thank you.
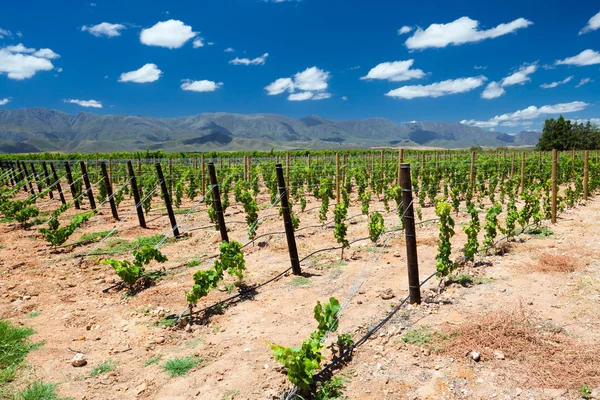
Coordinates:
(584, 81)
(531, 112)
(396, 71)
(595, 121)
(5, 32)
(520, 76)
(198, 42)
(586, 57)
(210, 43)
(104, 29)
(555, 84)
(19, 34)
(310, 83)
(463, 30)
(59, 70)
(592, 25)
(85, 103)
(200, 86)
(4, 101)
(480, 67)
(438, 89)
(148, 73)
(171, 34)
(492, 91)
(246, 61)
(18, 63)
(229, 50)
(405, 29)
(344, 98)
(279, 86)
(301, 96)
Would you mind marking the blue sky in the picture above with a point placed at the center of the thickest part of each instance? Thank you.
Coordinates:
(478, 62)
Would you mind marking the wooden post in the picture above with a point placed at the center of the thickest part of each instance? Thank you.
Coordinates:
(136, 195)
(472, 175)
(109, 191)
(554, 183)
(586, 174)
(337, 177)
(245, 168)
(88, 186)
(287, 221)
(203, 172)
(414, 285)
(71, 185)
(217, 202)
(522, 172)
(167, 198)
(37, 178)
(27, 179)
(47, 179)
(58, 187)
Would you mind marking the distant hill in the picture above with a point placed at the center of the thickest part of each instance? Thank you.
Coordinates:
(41, 129)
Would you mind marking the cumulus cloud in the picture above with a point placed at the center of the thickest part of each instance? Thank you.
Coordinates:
(492, 91)
(463, 30)
(171, 34)
(531, 112)
(5, 32)
(521, 76)
(584, 81)
(310, 84)
(104, 29)
(555, 84)
(246, 61)
(592, 25)
(438, 89)
(84, 103)
(198, 42)
(200, 86)
(405, 29)
(229, 50)
(20, 62)
(395, 71)
(148, 73)
(4, 101)
(586, 57)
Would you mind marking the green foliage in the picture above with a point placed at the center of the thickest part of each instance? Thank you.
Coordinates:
(472, 230)
(39, 390)
(181, 366)
(326, 317)
(376, 226)
(340, 212)
(14, 346)
(562, 134)
(365, 199)
(130, 272)
(585, 391)
(56, 235)
(179, 188)
(152, 361)
(251, 209)
(444, 264)
(325, 193)
(491, 226)
(421, 336)
(103, 368)
(330, 390)
(512, 215)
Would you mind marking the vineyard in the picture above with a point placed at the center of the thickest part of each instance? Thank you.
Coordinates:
(303, 275)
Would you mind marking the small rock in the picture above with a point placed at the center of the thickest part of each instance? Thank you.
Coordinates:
(78, 360)
(498, 355)
(397, 255)
(188, 328)
(160, 340)
(142, 388)
(426, 351)
(387, 294)
(266, 366)
(475, 356)
(262, 244)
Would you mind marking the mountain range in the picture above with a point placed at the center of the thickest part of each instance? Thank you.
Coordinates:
(41, 129)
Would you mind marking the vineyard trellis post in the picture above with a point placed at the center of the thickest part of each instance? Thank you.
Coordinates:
(472, 175)
(167, 199)
(58, 187)
(554, 183)
(203, 172)
(414, 285)
(512, 165)
(47, 179)
(287, 220)
(109, 192)
(217, 202)
(136, 195)
(11, 165)
(71, 185)
(586, 174)
(522, 172)
(21, 177)
(337, 177)
(37, 178)
(88, 186)
(27, 180)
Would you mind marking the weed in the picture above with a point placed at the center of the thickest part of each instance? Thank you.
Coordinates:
(117, 245)
(87, 237)
(585, 391)
(330, 390)
(166, 322)
(181, 366)
(467, 280)
(300, 281)
(103, 368)
(33, 314)
(421, 336)
(153, 360)
(193, 263)
(230, 394)
(39, 391)
(540, 232)
(14, 346)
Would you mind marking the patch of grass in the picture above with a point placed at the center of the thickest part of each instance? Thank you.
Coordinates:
(193, 263)
(468, 280)
(153, 360)
(230, 394)
(14, 346)
(300, 281)
(86, 237)
(166, 322)
(422, 336)
(33, 314)
(330, 390)
(118, 246)
(39, 391)
(181, 366)
(103, 368)
(585, 391)
(540, 232)
(192, 344)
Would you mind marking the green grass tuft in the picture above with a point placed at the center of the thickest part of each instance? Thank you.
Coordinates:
(153, 360)
(300, 281)
(93, 236)
(103, 368)
(14, 346)
(39, 391)
(118, 245)
(181, 366)
(33, 314)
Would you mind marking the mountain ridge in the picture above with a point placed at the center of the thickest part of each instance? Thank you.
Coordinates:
(42, 129)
